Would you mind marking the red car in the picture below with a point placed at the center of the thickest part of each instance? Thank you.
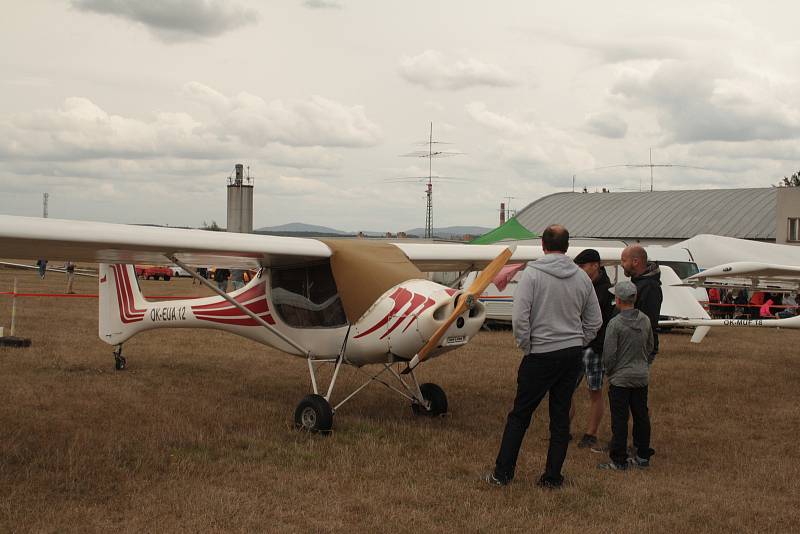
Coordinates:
(151, 272)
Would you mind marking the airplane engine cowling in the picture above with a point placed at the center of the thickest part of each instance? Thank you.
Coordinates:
(405, 318)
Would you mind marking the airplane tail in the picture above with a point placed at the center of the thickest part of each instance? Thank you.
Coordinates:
(122, 305)
(680, 301)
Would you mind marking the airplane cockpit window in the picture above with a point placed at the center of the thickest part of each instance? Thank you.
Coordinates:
(306, 297)
(684, 269)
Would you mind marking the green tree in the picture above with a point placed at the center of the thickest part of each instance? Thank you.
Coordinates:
(790, 181)
(214, 227)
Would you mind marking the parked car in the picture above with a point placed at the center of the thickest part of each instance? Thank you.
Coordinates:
(178, 271)
(152, 272)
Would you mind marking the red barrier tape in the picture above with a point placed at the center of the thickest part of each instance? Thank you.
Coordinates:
(91, 296)
(731, 305)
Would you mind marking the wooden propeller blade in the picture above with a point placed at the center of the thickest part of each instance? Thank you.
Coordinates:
(474, 291)
(487, 275)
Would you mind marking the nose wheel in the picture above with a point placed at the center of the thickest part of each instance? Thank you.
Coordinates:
(436, 398)
(314, 414)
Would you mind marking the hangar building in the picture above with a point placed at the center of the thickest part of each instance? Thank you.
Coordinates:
(770, 214)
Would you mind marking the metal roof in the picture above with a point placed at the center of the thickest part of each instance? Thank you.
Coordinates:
(742, 213)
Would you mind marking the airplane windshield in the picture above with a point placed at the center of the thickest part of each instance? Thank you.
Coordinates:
(306, 297)
(684, 269)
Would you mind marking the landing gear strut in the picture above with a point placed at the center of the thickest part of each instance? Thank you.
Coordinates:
(437, 401)
(315, 412)
(119, 360)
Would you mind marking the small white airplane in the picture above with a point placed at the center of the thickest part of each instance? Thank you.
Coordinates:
(746, 275)
(352, 302)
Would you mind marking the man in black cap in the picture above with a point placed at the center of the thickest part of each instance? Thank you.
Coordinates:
(589, 261)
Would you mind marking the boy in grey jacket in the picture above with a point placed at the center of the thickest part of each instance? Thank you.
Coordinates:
(626, 352)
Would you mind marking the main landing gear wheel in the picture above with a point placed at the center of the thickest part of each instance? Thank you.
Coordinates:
(435, 396)
(314, 414)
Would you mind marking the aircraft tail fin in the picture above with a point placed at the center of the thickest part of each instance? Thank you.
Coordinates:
(122, 305)
(681, 301)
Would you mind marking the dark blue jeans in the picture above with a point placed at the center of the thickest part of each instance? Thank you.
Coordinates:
(623, 401)
(550, 372)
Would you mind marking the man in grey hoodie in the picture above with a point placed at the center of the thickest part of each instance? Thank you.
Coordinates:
(626, 353)
(555, 315)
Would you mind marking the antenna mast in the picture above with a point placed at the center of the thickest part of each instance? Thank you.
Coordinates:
(430, 154)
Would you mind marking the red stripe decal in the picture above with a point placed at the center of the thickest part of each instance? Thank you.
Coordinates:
(401, 296)
(257, 307)
(122, 298)
(244, 321)
(128, 289)
(428, 303)
(415, 303)
(252, 293)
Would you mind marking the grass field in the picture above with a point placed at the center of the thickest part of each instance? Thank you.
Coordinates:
(196, 436)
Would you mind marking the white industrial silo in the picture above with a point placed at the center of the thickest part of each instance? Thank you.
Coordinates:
(240, 202)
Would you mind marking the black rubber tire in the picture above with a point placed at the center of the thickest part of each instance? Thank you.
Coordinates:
(314, 414)
(436, 396)
(166, 278)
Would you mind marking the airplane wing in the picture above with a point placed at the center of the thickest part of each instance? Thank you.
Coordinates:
(84, 241)
(61, 240)
(750, 274)
(711, 250)
(445, 257)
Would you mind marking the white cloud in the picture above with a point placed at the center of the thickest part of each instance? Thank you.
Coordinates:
(294, 133)
(434, 71)
(316, 121)
(535, 151)
(175, 20)
(500, 123)
(711, 102)
(322, 4)
(606, 124)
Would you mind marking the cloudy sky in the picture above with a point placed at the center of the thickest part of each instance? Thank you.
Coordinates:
(132, 111)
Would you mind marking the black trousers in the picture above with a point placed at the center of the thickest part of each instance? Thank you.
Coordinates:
(622, 401)
(550, 372)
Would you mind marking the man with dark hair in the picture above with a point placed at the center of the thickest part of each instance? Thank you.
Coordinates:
(647, 277)
(589, 261)
(555, 315)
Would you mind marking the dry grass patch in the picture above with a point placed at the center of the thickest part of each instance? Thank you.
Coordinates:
(197, 436)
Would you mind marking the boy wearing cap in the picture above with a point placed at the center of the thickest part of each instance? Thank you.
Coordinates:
(627, 347)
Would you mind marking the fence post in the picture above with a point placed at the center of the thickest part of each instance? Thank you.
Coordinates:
(13, 306)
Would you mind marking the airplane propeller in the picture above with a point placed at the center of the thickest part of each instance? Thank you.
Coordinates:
(466, 300)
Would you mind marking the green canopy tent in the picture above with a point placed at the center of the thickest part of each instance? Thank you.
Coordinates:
(510, 230)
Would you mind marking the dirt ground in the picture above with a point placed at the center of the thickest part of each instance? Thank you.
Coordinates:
(197, 436)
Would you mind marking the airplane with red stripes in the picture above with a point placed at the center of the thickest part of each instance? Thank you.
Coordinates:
(338, 303)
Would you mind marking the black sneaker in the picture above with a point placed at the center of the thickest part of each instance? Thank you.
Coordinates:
(613, 466)
(547, 483)
(492, 480)
(641, 463)
(587, 441)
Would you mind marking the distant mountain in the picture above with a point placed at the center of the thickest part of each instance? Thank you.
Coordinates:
(311, 230)
(299, 228)
(451, 231)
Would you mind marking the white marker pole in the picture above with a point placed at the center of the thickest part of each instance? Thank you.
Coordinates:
(13, 306)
